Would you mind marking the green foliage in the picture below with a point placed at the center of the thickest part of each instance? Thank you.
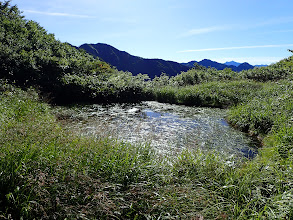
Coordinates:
(268, 113)
(112, 87)
(29, 56)
(260, 99)
(258, 189)
(48, 172)
(270, 73)
(212, 94)
(202, 75)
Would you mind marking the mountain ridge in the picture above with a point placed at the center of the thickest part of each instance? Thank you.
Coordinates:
(153, 67)
(220, 66)
(134, 64)
(232, 63)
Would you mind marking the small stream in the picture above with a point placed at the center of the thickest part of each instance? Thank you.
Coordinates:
(168, 128)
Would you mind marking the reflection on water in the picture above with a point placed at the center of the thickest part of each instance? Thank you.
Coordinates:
(168, 128)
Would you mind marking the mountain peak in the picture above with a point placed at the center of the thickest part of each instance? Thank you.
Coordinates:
(232, 63)
(134, 64)
(221, 66)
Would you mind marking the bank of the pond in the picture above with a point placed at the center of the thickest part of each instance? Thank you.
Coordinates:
(220, 94)
(49, 173)
(262, 109)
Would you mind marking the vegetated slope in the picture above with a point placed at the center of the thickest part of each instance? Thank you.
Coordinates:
(29, 56)
(126, 62)
(220, 66)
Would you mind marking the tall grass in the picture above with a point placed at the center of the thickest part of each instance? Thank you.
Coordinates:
(269, 115)
(50, 173)
(212, 94)
(258, 189)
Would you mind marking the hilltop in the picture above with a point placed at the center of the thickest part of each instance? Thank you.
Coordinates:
(134, 64)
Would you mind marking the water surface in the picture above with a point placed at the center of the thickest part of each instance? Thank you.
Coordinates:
(168, 128)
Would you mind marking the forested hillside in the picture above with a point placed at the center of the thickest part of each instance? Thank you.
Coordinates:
(29, 56)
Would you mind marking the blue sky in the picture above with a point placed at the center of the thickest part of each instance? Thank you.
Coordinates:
(254, 31)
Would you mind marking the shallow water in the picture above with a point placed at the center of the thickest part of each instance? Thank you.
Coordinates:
(168, 128)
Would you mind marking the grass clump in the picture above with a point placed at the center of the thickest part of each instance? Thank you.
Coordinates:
(251, 190)
(211, 94)
(48, 172)
(268, 114)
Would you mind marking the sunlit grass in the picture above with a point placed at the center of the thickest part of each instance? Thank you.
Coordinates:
(211, 94)
(48, 172)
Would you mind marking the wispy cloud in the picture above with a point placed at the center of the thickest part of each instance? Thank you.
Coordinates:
(236, 48)
(57, 14)
(198, 31)
(273, 21)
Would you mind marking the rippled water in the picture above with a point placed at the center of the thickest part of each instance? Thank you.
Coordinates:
(168, 128)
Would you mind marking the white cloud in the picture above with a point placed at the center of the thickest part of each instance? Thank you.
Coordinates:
(57, 14)
(273, 21)
(198, 31)
(236, 48)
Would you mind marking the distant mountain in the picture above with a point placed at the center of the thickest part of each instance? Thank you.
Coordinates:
(153, 67)
(232, 63)
(220, 66)
(244, 66)
(189, 64)
(126, 62)
(261, 65)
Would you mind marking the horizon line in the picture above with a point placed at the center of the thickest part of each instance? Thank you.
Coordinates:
(236, 48)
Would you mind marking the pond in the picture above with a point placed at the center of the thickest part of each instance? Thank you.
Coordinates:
(166, 127)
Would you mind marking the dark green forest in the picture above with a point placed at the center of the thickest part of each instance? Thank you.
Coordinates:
(48, 172)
